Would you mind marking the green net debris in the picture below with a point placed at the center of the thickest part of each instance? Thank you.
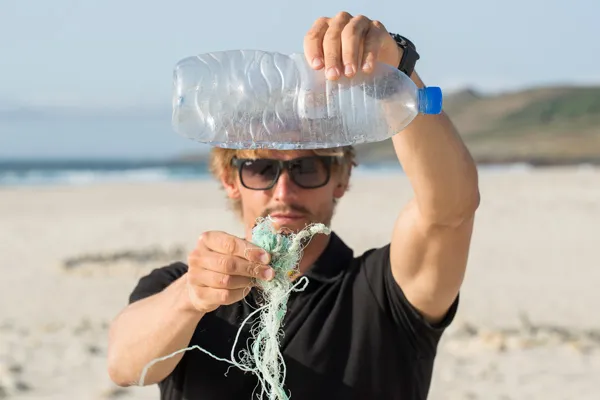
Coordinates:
(263, 357)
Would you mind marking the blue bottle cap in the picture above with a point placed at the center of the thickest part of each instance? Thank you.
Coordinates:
(430, 100)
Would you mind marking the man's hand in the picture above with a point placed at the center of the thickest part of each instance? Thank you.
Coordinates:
(346, 44)
(221, 268)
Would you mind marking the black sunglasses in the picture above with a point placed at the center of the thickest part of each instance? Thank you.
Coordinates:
(262, 173)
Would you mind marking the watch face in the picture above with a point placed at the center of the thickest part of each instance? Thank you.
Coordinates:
(403, 42)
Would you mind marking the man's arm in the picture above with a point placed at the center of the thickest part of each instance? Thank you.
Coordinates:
(431, 237)
(153, 327)
(220, 271)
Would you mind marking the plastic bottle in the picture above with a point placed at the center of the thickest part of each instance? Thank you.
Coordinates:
(257, 99)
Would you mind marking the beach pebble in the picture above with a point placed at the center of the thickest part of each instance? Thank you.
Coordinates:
(114, 393)
(10, 380)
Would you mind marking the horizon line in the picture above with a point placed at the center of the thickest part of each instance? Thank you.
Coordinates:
(7, 104)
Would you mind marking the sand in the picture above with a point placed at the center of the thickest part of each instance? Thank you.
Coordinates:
(528, 326)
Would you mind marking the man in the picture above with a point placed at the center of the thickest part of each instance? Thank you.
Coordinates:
(365, 327)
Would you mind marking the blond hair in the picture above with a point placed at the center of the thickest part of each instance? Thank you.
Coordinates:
(220, 163)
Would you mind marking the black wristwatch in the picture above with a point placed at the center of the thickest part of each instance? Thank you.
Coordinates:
(409, 54)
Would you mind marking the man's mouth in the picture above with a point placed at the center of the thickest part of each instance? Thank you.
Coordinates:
(287, 216)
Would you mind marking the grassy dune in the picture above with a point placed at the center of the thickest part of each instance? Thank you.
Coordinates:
(552, 125)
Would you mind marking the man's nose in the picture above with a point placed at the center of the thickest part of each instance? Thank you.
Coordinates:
(285, 188)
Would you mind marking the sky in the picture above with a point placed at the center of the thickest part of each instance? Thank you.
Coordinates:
(115, 53)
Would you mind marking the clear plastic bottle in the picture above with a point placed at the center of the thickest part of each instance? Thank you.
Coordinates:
(257, 99)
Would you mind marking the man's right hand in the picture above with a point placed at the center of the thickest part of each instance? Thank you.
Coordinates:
(221, 268)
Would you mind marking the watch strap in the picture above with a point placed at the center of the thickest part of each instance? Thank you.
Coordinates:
(410, 56)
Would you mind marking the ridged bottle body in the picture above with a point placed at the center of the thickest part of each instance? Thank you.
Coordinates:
(258, 99)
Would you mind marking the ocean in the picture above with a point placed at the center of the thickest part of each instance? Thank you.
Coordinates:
(79, 172)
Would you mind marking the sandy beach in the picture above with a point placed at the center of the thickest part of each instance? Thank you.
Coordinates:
(528, 325)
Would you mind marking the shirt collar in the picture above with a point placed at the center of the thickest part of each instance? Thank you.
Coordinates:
(332, 263)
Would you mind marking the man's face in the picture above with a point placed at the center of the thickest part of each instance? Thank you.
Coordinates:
(290, 205)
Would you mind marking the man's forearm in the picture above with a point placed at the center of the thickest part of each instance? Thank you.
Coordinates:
(148, 329)
(439, 166)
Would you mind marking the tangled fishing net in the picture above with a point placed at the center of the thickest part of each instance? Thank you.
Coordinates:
(263, 358)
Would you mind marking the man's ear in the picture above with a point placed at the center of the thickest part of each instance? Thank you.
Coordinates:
(339, 190)
(231, 186)
(342, 184)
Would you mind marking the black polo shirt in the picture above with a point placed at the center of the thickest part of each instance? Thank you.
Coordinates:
(351, 334)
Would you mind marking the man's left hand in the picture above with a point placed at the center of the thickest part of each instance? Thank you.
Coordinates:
(344, 45)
